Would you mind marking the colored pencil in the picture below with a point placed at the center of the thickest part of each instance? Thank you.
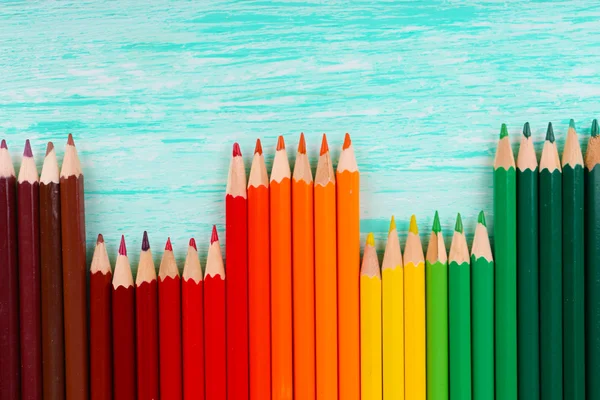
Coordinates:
(436, 276)
(414, 316)
(192, 294)
(573, 268)
(325, 277)
(214, 322)
(370, 324)
(100, 324)
(28, 225)
(146, 324)
(482, 313)
(281, 275)
(72, 215)
(505, 236)
(348, 254)
(303, 276)
(459, 319)
(551, 336)
(259, 271)
(53, 344)
(592, 267)
(123, 325)
(169, 326)
(236, 254)
(9, 284)
(528, 316)
(393, 317)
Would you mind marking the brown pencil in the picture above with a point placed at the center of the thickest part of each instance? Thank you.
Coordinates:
(28, 189)
(74, 275)
(9, 286)
(53, 345)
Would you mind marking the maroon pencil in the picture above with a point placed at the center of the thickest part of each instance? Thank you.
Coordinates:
(53, 345)
(123, 316)
(72, 216)
(146, 316)
(9, 286)
(28, 212)
(100, 324)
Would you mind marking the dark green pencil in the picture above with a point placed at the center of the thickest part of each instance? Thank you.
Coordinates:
(551, 336)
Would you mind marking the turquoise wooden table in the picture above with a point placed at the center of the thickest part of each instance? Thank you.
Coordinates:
(156, 92)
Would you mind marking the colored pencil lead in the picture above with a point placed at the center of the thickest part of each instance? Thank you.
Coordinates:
(572, 123)
(193, 244)
(392, 224)
(258, 147)
(550, 133)
(437, 227)
(122, 247)
(168, 246)
(49, 148)
(526, 130)
(370, 239)
(280, 143)
(100, 239)
(27, 152)
(458, 227)
(145, 242)
(324, 145)
(302, 144)
(70, 140)
(503, 131)
(594, 130)
(214, 237)
(236, 150)
(3, 145)
(347, 142)
(481, 218)
(413, 225)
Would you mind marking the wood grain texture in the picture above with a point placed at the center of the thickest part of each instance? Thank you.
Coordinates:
(156, 92)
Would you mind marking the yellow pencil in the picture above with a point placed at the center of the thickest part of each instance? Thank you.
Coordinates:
(370, 324)
(414, 316)
(392, 282)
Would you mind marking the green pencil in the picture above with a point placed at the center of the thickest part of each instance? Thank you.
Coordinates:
(505, 237)
(527, 269)
(436, 279)
(592, 264)
(459, 305)
(551, 381)
(482, 313)
(573, 269)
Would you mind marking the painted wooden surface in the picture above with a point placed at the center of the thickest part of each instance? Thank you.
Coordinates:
(156, 92)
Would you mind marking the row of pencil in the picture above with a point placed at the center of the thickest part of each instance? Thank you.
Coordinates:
(547, 277)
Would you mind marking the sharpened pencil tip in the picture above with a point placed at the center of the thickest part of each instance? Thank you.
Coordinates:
(122, 247)
(437, 227)
(550, 133)
(302, 144)
(100, 239)
(572, 123)
(413, 228)
(27, 152)
(324, 145)
(70, 140)
(3, 145)
(458, 227)
(503, 131)
(481, 218)
(236, 150)
(214, 237)
(526, 130)
(49, 147)
(392, 224)
(193, 244)
(370, 239)
(280, 143)
(258, 147)
(594, 130)
(145, 242)
(168, 246)
(347, 142)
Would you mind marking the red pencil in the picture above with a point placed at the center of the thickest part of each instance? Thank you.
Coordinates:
(100, 324)
(259, 270)
(29, 277)
(123, 323)
(193, 326)
(9, 285)
(214, 322)
(146, 316)
(236, 254)
(169, 312)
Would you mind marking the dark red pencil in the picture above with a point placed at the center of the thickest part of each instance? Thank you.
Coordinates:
(100, 324)
(146, 316)
(28, 197)
(214, 322)
(237, 278)
(123, 325)
(193, 326)
(169, 314)
(9, 283)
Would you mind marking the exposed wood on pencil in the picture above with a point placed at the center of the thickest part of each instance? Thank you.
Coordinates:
(526, 158)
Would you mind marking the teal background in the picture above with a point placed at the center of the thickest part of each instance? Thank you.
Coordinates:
(156, 92)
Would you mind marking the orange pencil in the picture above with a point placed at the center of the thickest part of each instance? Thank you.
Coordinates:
(325, 278)
(348, 251)
(303, 276)
(259, 296)
(281, 275)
